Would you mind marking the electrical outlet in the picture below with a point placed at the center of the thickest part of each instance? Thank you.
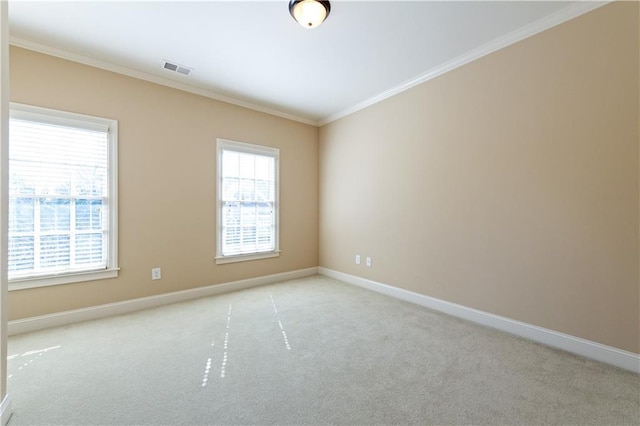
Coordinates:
(156, 274)
(357, 259)
(368, 261)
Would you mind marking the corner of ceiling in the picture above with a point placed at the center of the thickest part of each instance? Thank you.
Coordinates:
(141, 75)
(570, 12)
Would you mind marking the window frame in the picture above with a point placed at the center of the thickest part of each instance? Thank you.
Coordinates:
(245, 148)
(71, 119)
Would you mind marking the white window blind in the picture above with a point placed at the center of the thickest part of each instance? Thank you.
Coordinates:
(248, 200)
(60, 184)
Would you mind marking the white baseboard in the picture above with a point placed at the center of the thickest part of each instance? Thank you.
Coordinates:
(118, 308)
(575, 345)
(5, 410)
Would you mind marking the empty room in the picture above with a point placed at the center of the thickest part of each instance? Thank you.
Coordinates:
(319, 212)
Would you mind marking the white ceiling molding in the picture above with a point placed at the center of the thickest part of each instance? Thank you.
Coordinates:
(108, 66)
(564, 15)
(572, 11)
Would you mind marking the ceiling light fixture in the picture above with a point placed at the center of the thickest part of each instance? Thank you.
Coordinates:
(309, 13)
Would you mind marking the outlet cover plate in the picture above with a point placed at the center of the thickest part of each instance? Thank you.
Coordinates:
(156, 274)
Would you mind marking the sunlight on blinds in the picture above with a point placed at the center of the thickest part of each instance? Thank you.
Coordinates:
(248, 197)
(58, 180)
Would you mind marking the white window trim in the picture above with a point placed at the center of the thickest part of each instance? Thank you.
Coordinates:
(52, 116)
(222, 144)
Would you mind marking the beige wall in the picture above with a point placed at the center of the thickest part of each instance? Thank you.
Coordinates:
(167, 181)
(509, 185)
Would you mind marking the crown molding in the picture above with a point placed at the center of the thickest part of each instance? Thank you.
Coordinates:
(550, 21)
(108, 66)
(570, 12)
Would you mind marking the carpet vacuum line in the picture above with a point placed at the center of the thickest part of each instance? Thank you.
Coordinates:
(284, 333)
(226, 346)
(223, 365)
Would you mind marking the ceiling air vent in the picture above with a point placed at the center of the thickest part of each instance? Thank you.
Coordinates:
(177, 68)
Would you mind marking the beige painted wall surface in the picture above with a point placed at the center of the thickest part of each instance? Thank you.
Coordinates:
(167, 142)
(509, 185)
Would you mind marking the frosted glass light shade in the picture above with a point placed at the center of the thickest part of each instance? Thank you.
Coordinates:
(309, 13)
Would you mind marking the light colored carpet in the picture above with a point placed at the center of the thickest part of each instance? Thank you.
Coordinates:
(308, 351)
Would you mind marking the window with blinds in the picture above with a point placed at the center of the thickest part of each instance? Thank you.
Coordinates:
(247, 201)
(62, 201)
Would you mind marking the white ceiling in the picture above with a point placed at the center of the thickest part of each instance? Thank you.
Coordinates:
(255, 54)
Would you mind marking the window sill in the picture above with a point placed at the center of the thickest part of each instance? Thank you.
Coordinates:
(246, 257)
(50, 280)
